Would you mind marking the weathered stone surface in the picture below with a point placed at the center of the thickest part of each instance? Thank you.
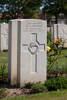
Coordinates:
(12, 52)
(27, 51)
(3, 36)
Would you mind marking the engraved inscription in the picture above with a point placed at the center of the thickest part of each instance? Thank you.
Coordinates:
(34, 26)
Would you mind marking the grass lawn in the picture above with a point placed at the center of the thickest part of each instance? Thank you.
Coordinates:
(61, 62)
(58, 95)
(3, 58)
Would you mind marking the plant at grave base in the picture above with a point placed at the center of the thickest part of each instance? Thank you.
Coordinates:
(48, 48)
(38, 87)
(53, 54)
(56, 83)
(3, 68)
(58, 40)
(2, 92)
(28, 85)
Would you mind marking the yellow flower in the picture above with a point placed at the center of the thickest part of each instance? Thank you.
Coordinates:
(48, 48)
(57, 40)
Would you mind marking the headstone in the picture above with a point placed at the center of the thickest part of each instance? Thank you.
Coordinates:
(60, 31)
(3, 36)
(29, 53)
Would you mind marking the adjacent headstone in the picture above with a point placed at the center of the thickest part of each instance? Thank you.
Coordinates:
(27, 51)
(60, 31)
(62, 21)
(48, 29)
(3, 36)
(54, 31)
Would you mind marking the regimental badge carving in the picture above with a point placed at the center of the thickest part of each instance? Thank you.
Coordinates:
(33, 48)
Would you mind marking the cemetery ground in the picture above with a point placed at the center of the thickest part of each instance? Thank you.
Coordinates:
(54, 95)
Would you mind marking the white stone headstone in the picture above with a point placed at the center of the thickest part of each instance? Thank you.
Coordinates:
(29, 38)
(48, 29)
(60, 31)
(3, 36)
